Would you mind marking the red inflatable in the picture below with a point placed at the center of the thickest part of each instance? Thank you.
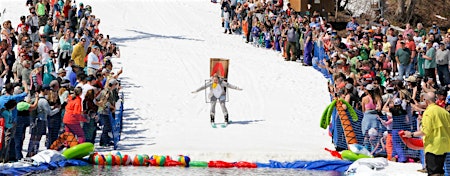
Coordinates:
(220, 164)
(412, 143)
(169, 163)
(244, 164)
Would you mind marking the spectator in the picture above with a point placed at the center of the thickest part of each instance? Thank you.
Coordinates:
(79, 53)
(73, 115)
(435, 131)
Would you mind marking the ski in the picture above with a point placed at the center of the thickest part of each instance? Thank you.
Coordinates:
(222, 125)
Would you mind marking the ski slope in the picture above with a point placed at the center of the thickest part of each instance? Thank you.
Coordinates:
(165, 50)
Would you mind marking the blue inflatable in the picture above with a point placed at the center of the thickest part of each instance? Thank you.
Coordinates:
(323, 165)
(42, 167)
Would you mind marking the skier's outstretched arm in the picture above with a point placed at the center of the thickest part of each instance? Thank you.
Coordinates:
(231, 86)
(202, 88)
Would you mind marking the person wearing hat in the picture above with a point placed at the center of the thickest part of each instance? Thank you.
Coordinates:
(105, 106)
(370, 105)
(36, 76)
(435, 135)
(442, 60)
(61, 75)
(352, 25)
(79, 52)
(403, 58)
(23, 25)
(430, 60)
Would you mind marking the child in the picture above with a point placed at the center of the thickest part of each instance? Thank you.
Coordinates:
(226, 17)
(255, 34)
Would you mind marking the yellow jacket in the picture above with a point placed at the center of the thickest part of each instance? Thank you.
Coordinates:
(78, 55)
(436, 126)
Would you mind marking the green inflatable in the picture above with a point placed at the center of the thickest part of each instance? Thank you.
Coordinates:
(198, 164)
(349, 155)
(79, 151)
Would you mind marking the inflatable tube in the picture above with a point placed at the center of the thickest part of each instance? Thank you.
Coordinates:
(350, 135)
(412, 143)
(220, 164)
(351, 156)
(244, 164)
(184, 160)
(79, 151)
(324, 165)
(198, 164)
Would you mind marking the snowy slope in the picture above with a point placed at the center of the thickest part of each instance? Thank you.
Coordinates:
(166, 46)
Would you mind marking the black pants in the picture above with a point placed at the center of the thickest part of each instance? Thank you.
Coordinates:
(64, 58)
(54, 125)
(106, 135)
(435, 163)
(431, 73)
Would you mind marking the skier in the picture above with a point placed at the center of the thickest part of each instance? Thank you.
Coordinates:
(217, 92)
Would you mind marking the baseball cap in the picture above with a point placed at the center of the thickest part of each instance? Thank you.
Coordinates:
(397, 101)
(45, 87)
(113, 81)
(411, 79)
(37, 65)
(348, 86)
(61, 70)
(369, 87)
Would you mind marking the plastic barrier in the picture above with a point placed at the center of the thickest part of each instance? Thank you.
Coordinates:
(198, 164)
(324, 165)
(244, 164)
(220, 164)
(79, 151)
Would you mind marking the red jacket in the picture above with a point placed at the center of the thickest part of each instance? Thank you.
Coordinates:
(73, 114)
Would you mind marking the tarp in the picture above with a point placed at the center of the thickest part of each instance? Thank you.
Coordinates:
(323, 165)
(42, 167)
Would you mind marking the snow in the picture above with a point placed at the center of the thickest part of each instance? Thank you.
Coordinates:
(165, 50)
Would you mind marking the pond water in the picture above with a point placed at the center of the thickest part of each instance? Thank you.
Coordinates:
(131, 170)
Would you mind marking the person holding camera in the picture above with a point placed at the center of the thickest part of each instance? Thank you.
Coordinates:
(106, 105)
(33, 21)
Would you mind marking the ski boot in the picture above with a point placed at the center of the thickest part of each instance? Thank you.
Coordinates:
(212, 122)
(226, 119)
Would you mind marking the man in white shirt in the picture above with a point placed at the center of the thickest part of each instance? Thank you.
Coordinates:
(44, 47)
(90, 81)
(93, 63)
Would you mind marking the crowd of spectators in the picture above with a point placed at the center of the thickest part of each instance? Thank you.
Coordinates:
(60, 80)
(381, 70)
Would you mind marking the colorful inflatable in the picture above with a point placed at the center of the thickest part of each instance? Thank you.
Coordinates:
(352, 156)
(198, 164)
(184, 160)
(79, 151)
(412, 143)
(220, 164)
